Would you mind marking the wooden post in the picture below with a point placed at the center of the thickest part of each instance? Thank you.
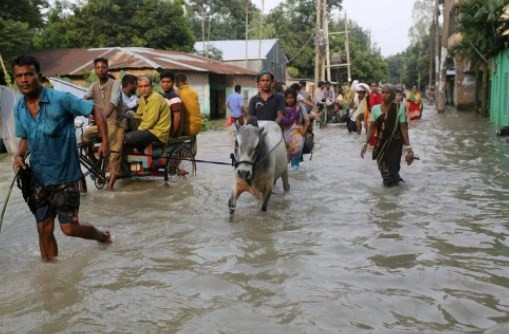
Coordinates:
(437, 49)
(260, 33)
(326, 33)
(443, 57)
(347, 47)
(317, 42)
(247, 29)
(203, 19)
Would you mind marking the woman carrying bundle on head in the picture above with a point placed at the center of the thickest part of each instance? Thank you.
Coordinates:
(389, 120)
(295, 124)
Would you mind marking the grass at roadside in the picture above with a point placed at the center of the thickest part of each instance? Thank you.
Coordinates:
(215, 124)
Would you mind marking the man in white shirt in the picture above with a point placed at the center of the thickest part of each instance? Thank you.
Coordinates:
(318, 95)
(328, 93)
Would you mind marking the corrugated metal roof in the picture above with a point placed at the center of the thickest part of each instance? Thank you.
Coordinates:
(65, 62)
(69, 87)
(236, 49)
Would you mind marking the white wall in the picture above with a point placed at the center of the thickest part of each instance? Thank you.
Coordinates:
(8, 98)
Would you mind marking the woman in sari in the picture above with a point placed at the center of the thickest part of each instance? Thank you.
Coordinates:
(414, 104)
(389, 120)
(295, 124)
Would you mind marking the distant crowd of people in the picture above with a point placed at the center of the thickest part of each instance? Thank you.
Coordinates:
(295, 109)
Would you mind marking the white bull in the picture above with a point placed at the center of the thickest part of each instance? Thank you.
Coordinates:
(260, 154)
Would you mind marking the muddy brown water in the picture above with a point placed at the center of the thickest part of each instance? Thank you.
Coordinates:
(338, 254)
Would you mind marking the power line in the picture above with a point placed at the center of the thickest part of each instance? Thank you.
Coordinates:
(297, 55)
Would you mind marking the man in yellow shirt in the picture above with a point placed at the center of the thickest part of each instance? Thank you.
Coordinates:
(152, 120)
(190, 106)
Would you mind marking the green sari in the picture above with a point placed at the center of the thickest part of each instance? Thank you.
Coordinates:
(389, 146)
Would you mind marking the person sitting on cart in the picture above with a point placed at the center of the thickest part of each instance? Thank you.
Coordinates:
(308, 105)
(128, 105)
(337, 113)
(152, 121)
(328, 94)
(130, 100)
(319, 99)
(360, 105)
(166, 80)
(318, 95)
(190, 106)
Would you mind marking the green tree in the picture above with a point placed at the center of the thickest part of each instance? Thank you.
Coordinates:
(18, 21)
(422, 15)
(27, 11)
(482, 25)
(199, 19)
(105, 23)
(397, 71)
(413, 66)
(58, 32)
(214, 20)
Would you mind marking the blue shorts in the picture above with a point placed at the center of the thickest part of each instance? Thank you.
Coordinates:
(62, 200)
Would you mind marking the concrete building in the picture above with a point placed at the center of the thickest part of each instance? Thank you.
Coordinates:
(254, 55)
(460, 81)
(213, 80)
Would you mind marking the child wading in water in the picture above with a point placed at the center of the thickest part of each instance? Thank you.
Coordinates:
(295, 124)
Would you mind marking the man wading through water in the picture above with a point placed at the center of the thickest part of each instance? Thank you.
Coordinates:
(45, 123)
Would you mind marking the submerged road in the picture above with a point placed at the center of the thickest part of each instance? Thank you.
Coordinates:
(338, 254)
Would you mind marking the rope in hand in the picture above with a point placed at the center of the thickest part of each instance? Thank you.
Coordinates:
(9, 192)
(7, 198)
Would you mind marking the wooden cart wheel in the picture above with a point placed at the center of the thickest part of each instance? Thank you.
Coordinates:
(181, 163)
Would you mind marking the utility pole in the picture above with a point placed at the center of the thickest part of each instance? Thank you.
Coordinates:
(437, 49)
(317, 42)
(247, 28)
(418, 68)
(324, 22)
(326, 33)
(431, 46)
(203, 19)
(443, 56)
(347, 47)
(260, 33)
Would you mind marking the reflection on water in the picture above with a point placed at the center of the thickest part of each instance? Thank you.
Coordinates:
(339, 253)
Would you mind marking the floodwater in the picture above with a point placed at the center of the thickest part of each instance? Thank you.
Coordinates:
(337, 254)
